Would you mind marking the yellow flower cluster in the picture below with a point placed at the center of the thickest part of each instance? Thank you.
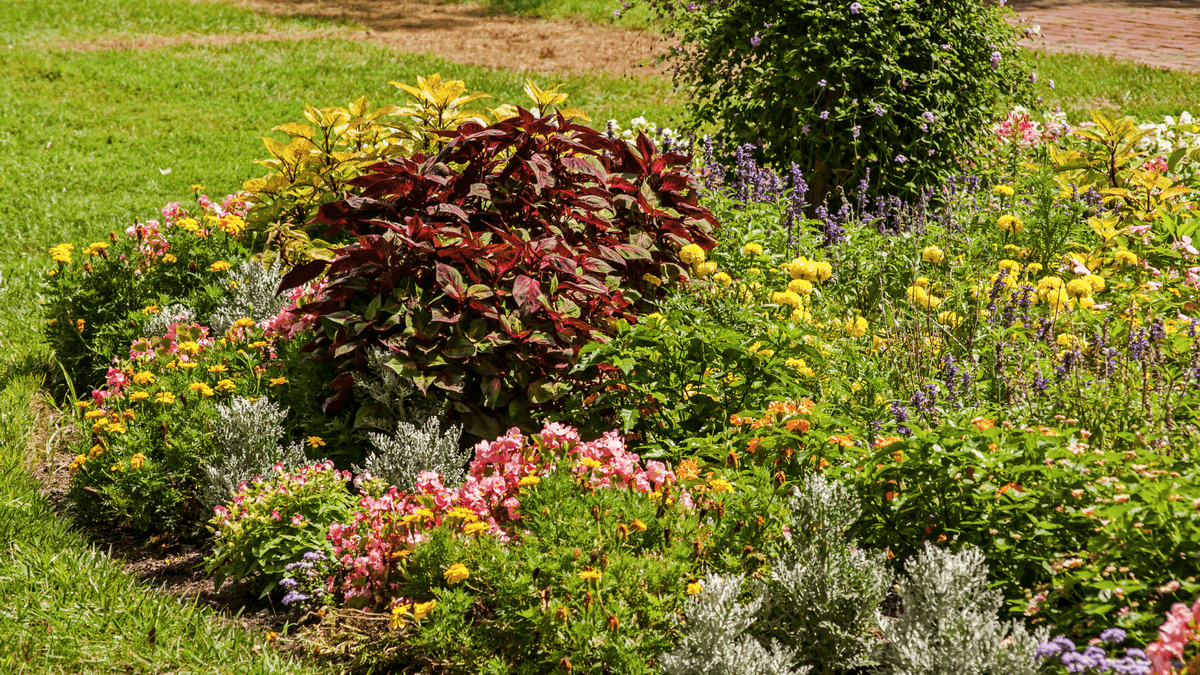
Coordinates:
(809, 270)
(752, 249)
(933, 254)
(1010, 224)
(96, 248)
(801, 367)
(1124, 257)
(62, 253)
(692, 254)
(786, 299)
(856, 327)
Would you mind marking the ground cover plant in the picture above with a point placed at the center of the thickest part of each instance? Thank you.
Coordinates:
(982, 396)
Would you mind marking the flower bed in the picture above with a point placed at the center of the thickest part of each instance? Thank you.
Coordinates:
(984, 395)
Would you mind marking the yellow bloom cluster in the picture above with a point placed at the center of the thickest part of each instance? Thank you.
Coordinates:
(1010, 223)
(856, 327)
(752, 249)
(1124, 257)
(219, 266)
(933, 254)
(1003, 191)
(62, 253)
(456, 573)
(809, 270)
(786, 299)
(801, 367)
(96, 248)
(692, 254)
(801, 287)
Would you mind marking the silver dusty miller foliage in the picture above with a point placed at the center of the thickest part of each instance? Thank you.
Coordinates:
(716, 641)
(409, 437)
(823, 593)
(158, 324)
(949, 622)
(248, 438)
(253, 296)
(401, 456)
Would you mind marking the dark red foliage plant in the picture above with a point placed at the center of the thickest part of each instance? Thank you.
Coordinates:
(484, 269)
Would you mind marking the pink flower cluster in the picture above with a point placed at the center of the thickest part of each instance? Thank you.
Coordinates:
(398, 521)
(1018, 128)
(168, 345)
(290, 322)
(150, 234)
(1180, 630)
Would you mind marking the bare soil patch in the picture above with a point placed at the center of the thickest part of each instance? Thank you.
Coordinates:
(466, 33)
(1160, 33)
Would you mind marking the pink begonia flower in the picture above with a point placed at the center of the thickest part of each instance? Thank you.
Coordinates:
(275, 515)
(1193, 277)
(297, 520)
(1154, 285)
(1079, 268)
(1185, 244)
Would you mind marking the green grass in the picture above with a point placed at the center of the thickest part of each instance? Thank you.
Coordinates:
(1086, 82)
(36, 22)
(596, 11)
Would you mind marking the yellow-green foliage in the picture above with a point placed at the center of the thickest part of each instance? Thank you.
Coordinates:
(339, 144)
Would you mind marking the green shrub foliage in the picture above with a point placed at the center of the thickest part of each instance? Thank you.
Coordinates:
(484, 269)
(899, 88)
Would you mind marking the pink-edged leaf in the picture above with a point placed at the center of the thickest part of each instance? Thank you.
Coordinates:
(451, 281)
(526, 291)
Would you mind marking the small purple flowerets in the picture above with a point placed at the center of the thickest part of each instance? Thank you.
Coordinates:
(855, 7)
(1094, 658)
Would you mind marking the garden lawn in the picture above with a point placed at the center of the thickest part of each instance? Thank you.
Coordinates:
(93, 141)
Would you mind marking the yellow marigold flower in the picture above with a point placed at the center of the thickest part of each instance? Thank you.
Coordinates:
(695, 588)
(137, 461)
(218, 368)
(1087, 303)
(119, 466)
(824, 271)
(83, 404)
(396, 621)
(315, 441)
(1079, 288)
(231, 225)
(96, 247)
(456, 573)
(170, 258)
(1008, 281)
(164, 398)
(878, 344)
(786, 299)
(189, 347)
(62, 253)
(143, 378)
(917, 296)
(651, 279)
(801, 367)
(948, 318)
(933, 254)
(856, 327)
(529, 481)
(1122, 257)
(1013, 267)
(474, 528)
(921, 282)
(1010, 223)
(1003, 191)
(638, 525)
(752, 249)
(1046, 284)
(115, 428)
(80, 324)
(801, 287)
(591, 462)
(75, 465)
(258, 343)
(1057, 299)
(705, 269)
(244, 322)
(188, 365)
(801, 315)
(139, 396)
(150, 309)
(589, 575)
(721, 485)
(93, 414)
(691, 254)
(276, 381)
(219, 266)
(226, 385)
(1095, 281)
(188, 224)
(422, 609)
(201, 387)
(1033, 269)
(723, 279)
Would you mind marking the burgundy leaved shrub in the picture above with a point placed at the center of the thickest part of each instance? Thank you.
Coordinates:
(485, 268)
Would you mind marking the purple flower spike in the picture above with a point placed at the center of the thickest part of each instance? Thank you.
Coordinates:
(855, 7)
(755, 41)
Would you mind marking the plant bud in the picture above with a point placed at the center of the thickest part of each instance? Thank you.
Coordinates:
(613, 622)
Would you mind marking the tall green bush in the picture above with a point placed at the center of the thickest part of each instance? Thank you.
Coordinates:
(894, 88)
